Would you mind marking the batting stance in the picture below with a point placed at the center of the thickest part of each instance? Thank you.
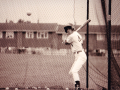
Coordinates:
(75, 39)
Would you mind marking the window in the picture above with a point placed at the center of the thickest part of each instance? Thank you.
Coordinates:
(64, 36)
(29, 35)
(9, 35)
(43, 35)
(115, 36)
(1, 35)
(100, 37)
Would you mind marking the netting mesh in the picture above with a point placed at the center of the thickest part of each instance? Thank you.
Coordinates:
(45, 62)
(115, 45)
(115, 41)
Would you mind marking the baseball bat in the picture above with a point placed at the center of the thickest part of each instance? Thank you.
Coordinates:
(83, 25)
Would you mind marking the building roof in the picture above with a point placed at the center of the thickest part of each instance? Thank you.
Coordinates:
(92, 29)
(30, 26)
(54, 27)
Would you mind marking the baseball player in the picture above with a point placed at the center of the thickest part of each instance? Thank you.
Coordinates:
(75, 40)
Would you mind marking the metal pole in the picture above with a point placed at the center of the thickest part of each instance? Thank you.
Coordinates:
(87, 46)
(109, 45)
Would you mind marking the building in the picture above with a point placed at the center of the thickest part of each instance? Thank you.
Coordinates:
(51, 35)
(28, 35)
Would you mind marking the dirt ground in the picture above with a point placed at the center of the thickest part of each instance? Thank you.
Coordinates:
(27, 70)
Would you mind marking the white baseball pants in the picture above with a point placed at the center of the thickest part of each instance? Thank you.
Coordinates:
(80, 59)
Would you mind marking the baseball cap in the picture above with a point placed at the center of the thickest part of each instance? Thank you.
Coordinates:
(68, 27)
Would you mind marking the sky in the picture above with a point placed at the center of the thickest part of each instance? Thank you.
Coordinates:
(51, 11)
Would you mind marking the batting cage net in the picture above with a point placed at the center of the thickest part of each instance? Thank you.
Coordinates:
(34, 56)
(114, 68)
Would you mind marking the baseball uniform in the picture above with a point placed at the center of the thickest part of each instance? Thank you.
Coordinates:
(80, 57)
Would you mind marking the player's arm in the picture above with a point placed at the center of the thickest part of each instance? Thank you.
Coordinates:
(67, 43)
(68, 40)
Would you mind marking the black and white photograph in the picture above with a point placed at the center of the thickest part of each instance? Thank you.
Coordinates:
(59, 44)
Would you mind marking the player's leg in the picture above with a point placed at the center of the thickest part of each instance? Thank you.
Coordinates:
(79, 61)
(77, 85)
(77, 65)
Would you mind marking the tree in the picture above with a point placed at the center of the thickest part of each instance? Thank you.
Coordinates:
(11, 21)
(20, 21)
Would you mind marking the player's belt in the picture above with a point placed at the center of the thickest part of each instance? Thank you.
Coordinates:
(77, 52)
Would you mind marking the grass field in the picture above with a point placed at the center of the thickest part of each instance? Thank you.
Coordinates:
(24, 70)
